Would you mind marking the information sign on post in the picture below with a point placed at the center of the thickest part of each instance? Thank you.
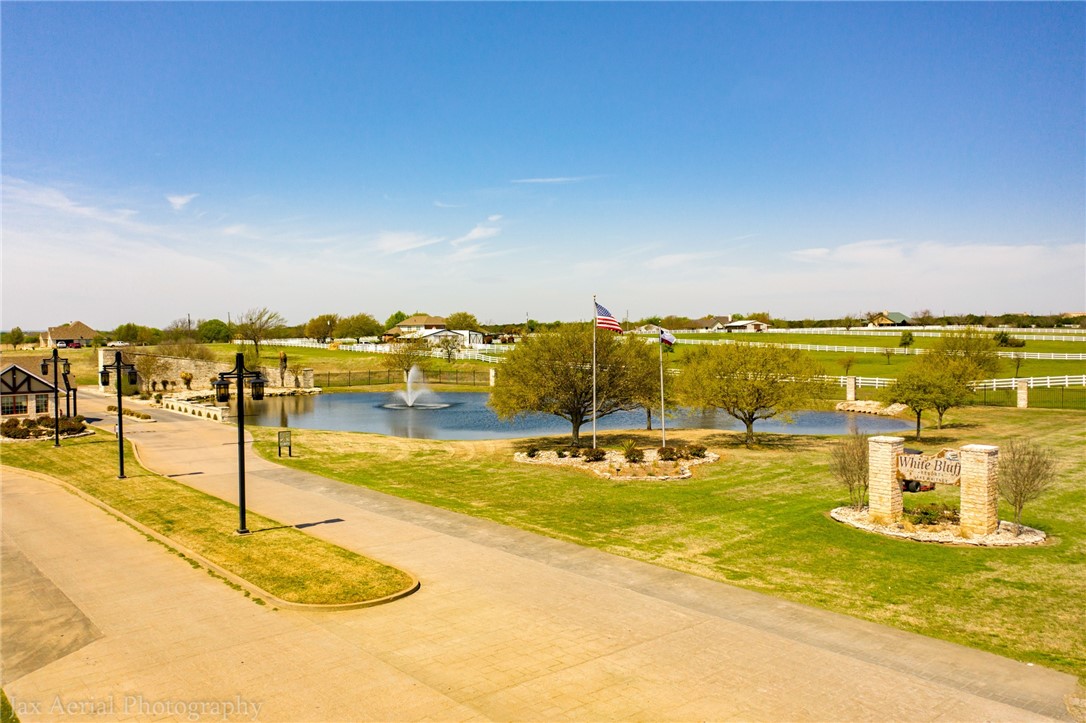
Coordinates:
(284, 441)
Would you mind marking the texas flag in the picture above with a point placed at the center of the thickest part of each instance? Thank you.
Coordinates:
(666, 337)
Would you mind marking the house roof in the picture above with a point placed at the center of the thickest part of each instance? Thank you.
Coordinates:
(74, 330)
(422, 320)
(709, 321)
(745, 322)
(897, 317)
(16, 380)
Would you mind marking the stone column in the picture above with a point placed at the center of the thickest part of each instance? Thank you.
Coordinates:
(1023, 394)
(979, 492)
(102, 351)
(850, 389)
(493, 375)
(307, 379)
(883, 488)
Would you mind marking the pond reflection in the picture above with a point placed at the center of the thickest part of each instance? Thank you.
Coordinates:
(468, 417)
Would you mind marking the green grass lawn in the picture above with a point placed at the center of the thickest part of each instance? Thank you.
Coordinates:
(758, 519)
(284, 561)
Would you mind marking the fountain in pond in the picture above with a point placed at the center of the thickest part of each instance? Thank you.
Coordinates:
(417, 395)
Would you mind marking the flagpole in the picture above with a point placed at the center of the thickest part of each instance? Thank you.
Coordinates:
(663, 431)
(595, 320)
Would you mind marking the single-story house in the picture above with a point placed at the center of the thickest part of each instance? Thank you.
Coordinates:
(465, 337)
(647, 329)
(745, 325)
(23, 394)
(890, 318)
(74, 333)
(710, 324)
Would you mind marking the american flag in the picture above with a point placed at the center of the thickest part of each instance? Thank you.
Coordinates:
(605, 320)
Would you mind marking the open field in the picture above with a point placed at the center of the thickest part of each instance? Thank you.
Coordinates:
(282, 560)
(758, 519)
(919, 342)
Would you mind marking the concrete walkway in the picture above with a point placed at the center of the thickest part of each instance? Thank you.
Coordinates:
(507, 625)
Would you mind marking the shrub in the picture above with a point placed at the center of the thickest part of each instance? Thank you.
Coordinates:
(15, 432)
(561, 454)
(47, 422)
(158, 398)
(69, 425)
(574, 452)
(668, 454)
(596, 454)
(30, 423)
(186, 379)
(631, 452)
(533, 451)
(932, 514)
(696, 450)
(9, 423)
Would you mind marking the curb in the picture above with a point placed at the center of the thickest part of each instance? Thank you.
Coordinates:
(231, 577)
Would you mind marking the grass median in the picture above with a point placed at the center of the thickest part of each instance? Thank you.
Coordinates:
(758, 519)
(282, 560)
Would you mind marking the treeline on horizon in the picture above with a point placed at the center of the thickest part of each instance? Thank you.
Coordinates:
(332, 326)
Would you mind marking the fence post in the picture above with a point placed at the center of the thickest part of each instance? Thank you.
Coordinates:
(850, 389)
(1023, 394)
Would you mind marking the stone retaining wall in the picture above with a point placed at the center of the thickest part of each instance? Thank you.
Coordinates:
(203, 372)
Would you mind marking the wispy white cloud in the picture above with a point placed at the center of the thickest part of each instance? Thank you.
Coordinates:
(495, 218)
(478, 233)
(179, 202)
(668, 261)
(442, 204)
(394, 242)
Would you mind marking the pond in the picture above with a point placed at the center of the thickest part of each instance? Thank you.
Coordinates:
(465, 416)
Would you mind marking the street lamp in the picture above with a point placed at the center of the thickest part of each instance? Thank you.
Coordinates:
(103, 378)
(56, 359)
(222, 394)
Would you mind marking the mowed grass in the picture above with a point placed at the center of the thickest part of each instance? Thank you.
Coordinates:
(758, 519)
(282, 560)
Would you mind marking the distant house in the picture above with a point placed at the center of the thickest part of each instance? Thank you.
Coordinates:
(890, 318)
(647, 329)
(710, 324)
(412, 326)
(23, 394)
(67, 335)
(745, 325)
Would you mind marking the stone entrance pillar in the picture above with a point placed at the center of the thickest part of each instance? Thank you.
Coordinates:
(1023, 394)
(493, 375)
(883, 488)
(850, 389)
(979, 492)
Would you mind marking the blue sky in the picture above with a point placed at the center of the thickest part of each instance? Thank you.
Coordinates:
(809, 160)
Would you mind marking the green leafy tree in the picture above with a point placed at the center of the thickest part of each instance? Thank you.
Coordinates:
(15, 337)
(916, 389)
(358, 326)
(551, 372)
(968, 354)
(750, 383)
(320, 328)
(846, 363)
(461, 320)
(906, 340)
(394, 320)
(213, 331)
(1025, 472)
(257, 326)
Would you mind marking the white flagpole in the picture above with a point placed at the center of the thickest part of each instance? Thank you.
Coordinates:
(595, 319)
(663, 431)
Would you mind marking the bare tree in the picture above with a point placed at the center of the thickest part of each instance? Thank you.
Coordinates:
(846, 363)
(258, 325)
(406, 354)
(848, 463)
(1025, 473)
(449, 345)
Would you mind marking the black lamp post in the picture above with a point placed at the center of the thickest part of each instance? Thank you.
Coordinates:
(222, 394)
(56, 360)
(103, 378)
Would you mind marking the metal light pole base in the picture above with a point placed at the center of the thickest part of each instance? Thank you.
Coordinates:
(242, 533)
